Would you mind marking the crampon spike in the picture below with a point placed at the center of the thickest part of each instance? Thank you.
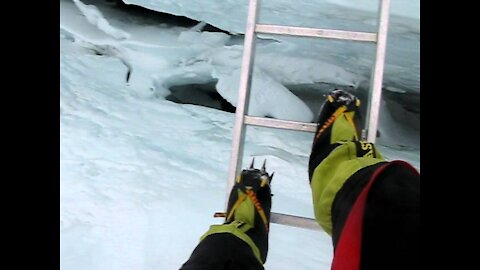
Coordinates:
(253, 163)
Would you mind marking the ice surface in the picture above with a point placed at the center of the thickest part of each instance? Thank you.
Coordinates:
(270, 97)
(403, 49)
(142, 176)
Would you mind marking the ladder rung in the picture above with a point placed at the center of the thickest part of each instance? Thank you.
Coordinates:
(281, 124)
(295, 221)
(315, 32)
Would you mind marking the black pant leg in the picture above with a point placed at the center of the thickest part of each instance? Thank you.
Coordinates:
(391, 226)
(222, 251)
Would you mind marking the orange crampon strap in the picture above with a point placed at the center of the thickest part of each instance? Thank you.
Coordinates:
(259, 208)
(330, 120)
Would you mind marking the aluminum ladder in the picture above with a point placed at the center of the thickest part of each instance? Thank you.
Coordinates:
(242, 119)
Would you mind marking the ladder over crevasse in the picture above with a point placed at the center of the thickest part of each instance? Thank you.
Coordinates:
(241, 115)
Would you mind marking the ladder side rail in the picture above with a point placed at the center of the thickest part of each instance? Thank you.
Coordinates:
(243, 97)
(377, 73)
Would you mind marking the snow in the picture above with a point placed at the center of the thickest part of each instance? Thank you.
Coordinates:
(405, 8)
(141, 176)
(94, 16)
(264, 91)
(402, 66)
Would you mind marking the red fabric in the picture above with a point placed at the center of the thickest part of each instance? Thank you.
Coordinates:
(348, 250)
